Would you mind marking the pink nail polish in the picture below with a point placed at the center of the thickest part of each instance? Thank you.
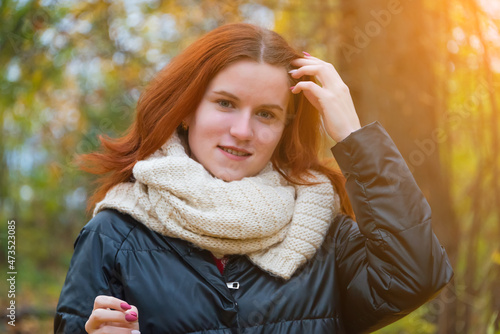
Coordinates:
(125, 306)
(306, 53)
(291, 88)
(133, 313)
(130, 317)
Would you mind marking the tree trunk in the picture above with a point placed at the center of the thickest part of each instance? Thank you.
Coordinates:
(387, 58)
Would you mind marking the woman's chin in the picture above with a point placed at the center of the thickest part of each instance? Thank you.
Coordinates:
(230, 178)
(229, 175)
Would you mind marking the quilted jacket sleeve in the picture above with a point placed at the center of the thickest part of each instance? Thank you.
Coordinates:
(91, 273)
(389, 262)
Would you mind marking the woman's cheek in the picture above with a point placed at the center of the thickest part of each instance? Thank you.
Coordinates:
(270, 135)
(218, 117)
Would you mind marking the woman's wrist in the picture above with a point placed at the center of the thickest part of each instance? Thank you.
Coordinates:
(345, 133)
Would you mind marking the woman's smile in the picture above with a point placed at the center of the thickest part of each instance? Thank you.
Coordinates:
(235, 153)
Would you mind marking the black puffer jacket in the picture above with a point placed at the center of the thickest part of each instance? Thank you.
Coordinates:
(365, 275)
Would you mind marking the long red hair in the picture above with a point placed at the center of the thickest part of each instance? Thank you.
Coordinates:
(176, 92)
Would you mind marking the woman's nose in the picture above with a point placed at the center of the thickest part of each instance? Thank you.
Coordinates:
(241, 126)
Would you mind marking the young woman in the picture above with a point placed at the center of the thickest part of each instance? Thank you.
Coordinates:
(215, 214)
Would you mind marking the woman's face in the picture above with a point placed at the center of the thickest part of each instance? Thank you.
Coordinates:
(240, 119)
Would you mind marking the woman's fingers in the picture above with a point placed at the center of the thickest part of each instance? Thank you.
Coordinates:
(311, 90)
(331, 97)
(111, 312)
(101, 316)
(325, 72)
(111, 302)
(311, 70)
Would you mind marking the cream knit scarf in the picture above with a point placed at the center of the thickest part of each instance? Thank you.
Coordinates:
(278, 225)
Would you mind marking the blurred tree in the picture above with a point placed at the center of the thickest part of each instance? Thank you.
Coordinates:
(388, 60)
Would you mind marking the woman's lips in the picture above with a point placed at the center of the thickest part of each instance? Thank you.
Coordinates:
(234, 152)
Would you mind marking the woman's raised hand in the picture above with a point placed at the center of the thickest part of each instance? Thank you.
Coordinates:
(112, 316)
(331, 97)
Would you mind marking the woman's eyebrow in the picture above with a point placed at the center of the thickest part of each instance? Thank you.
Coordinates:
(223, 92)
(234, 97)
(271, 106)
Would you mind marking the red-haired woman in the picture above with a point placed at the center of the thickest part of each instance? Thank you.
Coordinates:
(215, 214)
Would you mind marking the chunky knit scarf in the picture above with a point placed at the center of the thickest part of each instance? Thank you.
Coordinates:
(278, 225)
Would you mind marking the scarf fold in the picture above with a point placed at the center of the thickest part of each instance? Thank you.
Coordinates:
(278, 225)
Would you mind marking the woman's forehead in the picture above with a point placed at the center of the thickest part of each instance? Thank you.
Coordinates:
(250, 79)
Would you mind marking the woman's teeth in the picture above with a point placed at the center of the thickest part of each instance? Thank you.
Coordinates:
(240, 154)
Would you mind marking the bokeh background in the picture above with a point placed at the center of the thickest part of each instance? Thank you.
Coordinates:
(428, 70)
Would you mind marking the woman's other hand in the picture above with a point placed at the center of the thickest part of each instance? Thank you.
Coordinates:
(331, 97)
(112, 316)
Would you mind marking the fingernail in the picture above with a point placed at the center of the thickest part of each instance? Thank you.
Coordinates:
(125, 306)
(130, 317)
(292, 71)
(135, 332)
(306, 54)
(133, 313)
(291, 88)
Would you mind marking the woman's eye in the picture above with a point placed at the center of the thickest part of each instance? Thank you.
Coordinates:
(266, 114)
(224, 103)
